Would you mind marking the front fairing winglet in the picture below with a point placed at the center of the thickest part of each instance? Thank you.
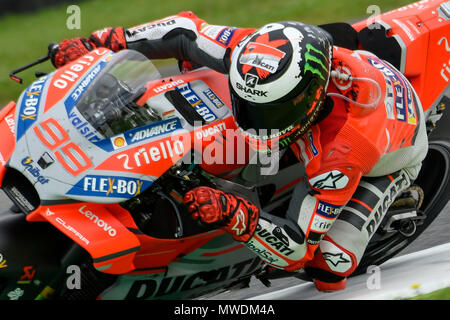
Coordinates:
(111, 245)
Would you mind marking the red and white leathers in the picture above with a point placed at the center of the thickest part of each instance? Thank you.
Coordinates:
(357, 159)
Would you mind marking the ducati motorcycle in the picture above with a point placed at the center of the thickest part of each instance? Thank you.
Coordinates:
(97, 156)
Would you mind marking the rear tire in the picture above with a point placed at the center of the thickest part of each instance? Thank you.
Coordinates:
(434, 179)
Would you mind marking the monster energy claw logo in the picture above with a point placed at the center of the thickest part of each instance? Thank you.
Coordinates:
(311, 56)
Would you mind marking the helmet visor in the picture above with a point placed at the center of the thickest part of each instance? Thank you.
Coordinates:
(260, 119)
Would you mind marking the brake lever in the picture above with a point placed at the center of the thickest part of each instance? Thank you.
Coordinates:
(52, 48)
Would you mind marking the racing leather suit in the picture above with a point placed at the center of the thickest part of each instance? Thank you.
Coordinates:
(356, 161)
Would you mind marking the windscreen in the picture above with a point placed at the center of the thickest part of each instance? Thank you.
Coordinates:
(109, 104)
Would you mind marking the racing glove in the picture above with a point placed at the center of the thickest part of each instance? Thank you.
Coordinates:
(71, 49)
(233, 214)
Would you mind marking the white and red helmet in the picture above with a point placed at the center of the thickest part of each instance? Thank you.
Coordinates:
(278, 78)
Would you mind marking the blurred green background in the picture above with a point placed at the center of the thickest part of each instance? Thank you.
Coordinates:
(25, 36)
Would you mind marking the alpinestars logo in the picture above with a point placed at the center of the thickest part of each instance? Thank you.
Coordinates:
(335, 258)
(239, 227)
(317, 57)
(263, 55)
(330, 180)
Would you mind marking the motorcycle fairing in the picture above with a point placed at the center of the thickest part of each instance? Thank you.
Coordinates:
(211, 266)
(420, 32)
(95, 170)
(7, 132)
(95, 228)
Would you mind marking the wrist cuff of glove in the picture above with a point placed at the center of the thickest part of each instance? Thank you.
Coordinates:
(243, 220)
(111, 38)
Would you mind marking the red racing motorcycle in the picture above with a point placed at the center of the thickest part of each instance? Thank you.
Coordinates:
(97, 155)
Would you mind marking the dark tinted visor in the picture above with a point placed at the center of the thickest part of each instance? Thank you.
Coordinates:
(271, 116)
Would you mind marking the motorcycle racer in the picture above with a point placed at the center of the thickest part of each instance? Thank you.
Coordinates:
(352, 119)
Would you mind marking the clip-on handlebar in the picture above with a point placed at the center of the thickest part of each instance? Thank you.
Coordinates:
(52, 48)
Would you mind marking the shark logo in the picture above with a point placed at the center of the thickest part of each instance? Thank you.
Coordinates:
(250, 80)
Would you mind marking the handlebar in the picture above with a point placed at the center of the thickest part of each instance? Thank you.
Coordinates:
(52, 49)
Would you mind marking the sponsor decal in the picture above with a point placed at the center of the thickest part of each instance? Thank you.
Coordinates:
(109, 186)
(100, 33)
(152, 130)
(77, 119)
(312, 146)
(71, 74)
(419, 5)
(197, 103)
(412, 119)
(445, 70)
(10, 122)
(64, 78)
(140, 134)
(28, 274)
(15, 294)
(389, 100)
(160, 287)
(212, 31)
(71, 229)
(97, 221)
(263, 57)
(240, 226)
(168, 86)
(225, 35)
(163, 150)
(2, 262)
(146, 27)
(251, 80)
(28, 163)
(210, 131)
(389, 196)
(335, 258)
(213, 98)
(83, 126)
(329, 180)
(29, 106)
(398, 85)
(119, 141)
(80, 89)
(280, 243)
(320, 224)
(314, 238)
(328, 210)
(405, 29)
(265, 136)
(84, 84)
(263, 252)
(314, 55)
(255, 92)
